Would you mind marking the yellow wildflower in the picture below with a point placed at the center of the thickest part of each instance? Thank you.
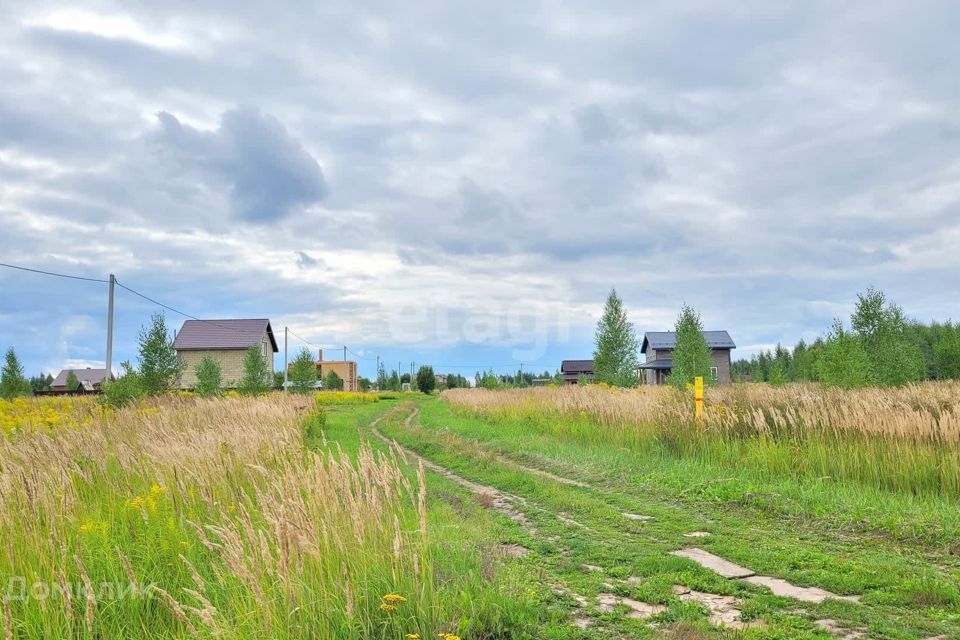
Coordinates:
(394, 598)
(156, 491)
(87, 527)
(412, 636)
(135, 503)
(231, 508)
(387, 607)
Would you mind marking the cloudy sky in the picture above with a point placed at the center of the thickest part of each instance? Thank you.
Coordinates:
(462, 184)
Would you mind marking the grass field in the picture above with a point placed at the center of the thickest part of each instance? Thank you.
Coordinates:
(853, 535)
(906, 439)
(239, 518)
(549, 513)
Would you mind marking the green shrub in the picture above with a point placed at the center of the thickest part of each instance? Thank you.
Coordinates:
(125, 389)
(12, 381)
(615, 356)
(302, 373)
(256, 378)
(332, 382)
(691, 353)
(159, 365)
(313, 427)
(426, 380)
(209, 377)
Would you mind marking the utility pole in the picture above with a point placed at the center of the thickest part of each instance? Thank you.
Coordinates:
(344, 353)
(286, 332)
(109, 367)
(378, 374)
(520, 381)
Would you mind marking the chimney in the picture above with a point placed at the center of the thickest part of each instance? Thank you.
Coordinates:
(320, 354)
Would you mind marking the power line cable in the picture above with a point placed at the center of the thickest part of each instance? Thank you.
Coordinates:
(182, 313)
(51, 273)
(306, 342)
(360, 356)
(160, 304)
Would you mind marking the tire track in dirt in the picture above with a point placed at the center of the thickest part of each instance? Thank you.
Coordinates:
(778, 586)
(500, 501)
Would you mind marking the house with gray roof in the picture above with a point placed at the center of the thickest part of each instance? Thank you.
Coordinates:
(572, 371)
(658, 348)
(88, 380)
(226, 341)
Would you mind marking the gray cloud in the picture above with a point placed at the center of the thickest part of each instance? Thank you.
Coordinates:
(269, 172)
(306, 261)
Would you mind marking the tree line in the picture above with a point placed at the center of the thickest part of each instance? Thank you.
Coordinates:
(881, 347)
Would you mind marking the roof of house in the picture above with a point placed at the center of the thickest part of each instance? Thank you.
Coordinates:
(93, 376)
(665, 363)
(200, 335)
(667, 340)
(576, 366)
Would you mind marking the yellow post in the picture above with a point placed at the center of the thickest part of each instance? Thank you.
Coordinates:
(698, 395)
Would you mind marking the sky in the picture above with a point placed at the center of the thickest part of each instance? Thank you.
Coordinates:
(462, 184)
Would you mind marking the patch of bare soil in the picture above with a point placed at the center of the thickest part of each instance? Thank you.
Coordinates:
(512, 550)
(636, 517)
(778, 586)
(784, 589)
(724, 610)
(543, 473)
(637, 609)
(842, 633)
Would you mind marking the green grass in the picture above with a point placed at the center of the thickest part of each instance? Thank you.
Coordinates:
(284, 477)
(889, 547)
(742, 472)
(241, 524)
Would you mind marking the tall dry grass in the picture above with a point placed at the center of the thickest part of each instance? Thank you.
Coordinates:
(906, 439)
(209, 518)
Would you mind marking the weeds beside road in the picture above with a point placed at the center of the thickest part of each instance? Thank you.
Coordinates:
(822, 533)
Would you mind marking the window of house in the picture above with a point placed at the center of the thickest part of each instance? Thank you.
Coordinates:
(715, 373)
(263, 349)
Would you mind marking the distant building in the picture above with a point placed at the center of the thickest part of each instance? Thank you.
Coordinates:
(573, 370)
(346, 369)
(226, 341)
(658, 348)
(90, 380)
